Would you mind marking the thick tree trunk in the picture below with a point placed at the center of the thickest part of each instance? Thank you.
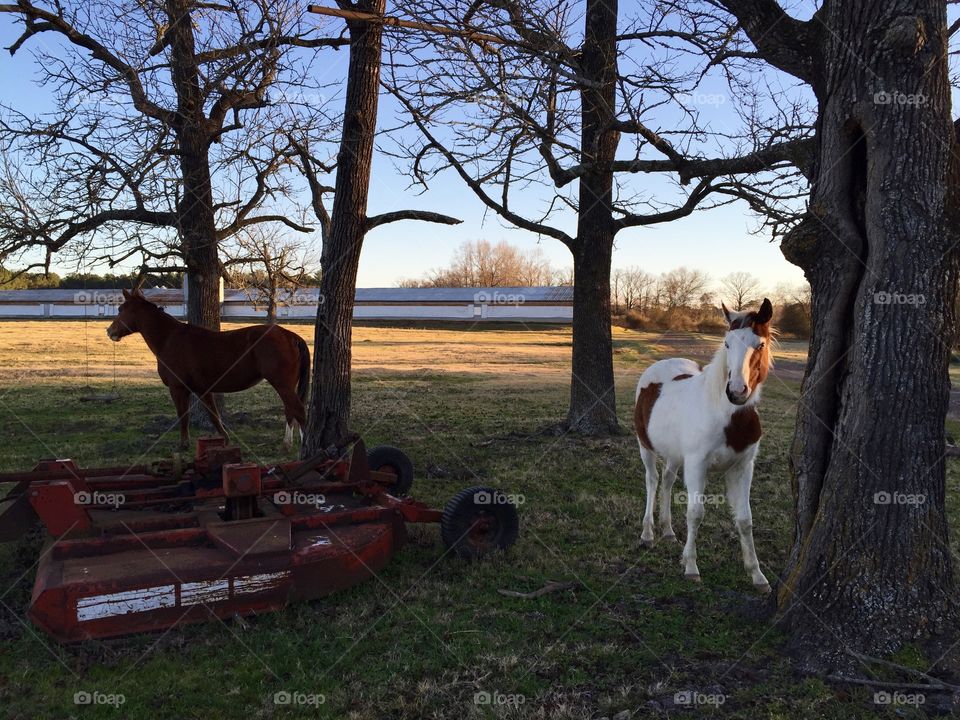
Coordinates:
(329, 410)
(197, 225)
(592, 396)
(870, 566)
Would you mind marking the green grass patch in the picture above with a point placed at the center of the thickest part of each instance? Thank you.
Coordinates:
(432, 637)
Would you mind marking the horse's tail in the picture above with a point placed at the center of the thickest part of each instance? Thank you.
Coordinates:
(303, 383)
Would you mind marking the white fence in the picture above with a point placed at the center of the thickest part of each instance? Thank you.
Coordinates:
(523, 305)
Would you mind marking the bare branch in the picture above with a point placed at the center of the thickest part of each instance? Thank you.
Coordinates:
(701, 191)
(475, 185)
(422, 215)
(39, 20)
(786, 43)
(799, 153)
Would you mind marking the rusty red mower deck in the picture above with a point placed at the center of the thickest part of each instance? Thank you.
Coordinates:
(152, 547)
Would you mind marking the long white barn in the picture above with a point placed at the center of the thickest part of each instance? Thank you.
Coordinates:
(517, 304)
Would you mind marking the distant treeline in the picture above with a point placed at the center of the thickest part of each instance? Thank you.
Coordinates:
(682, 299)
(82, 281)
(92, 281)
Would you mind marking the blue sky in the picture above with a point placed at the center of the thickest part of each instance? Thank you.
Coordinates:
(718, 241)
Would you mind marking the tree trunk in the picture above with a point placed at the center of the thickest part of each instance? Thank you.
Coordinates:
(592, 393)
(329, 411)
(592, 396)
(197, 226)
(272, 304)
(870, 568)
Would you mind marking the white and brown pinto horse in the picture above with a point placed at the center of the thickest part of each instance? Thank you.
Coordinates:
(706, 420)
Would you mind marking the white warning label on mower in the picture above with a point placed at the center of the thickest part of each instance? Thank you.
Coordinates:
(165, 596)
(249, 584)
(206, 591)
(129, 601)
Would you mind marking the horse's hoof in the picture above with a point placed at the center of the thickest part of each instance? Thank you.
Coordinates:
(692, 577)
(647, 543)
(670, 538)
(762, 588)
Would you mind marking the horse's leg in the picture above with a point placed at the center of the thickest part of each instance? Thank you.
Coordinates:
(666, 497)
(210, 403)
(739, 479)
(650, 464)
(292, 410)
(695, 478)
(181, 401)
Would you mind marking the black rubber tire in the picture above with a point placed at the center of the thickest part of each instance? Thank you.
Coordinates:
(386, 455)
(487, 505)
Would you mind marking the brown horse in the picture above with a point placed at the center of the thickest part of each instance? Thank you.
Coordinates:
(194, 360)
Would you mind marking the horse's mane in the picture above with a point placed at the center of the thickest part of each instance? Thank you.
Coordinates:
(141, 300)
(715, 377)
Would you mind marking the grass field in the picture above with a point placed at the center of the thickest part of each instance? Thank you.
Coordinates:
(430, 636)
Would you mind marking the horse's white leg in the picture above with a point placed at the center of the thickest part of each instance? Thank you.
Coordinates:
(650, 464)
(739, 480)
(288, 436)
(666, 497)
(695, 478)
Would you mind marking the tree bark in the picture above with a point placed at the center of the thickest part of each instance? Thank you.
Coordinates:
(329, 410)
(870, 567)
(272, 306)
(592, 396)
(197, 225)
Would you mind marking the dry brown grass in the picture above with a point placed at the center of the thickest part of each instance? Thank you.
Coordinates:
(45, 351)
(57, 350)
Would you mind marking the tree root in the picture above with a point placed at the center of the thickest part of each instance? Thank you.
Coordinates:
(932, 683)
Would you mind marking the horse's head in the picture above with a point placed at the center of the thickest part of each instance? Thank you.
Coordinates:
(129, 315)
(747, 345)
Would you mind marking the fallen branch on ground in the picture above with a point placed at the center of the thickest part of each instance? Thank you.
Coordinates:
(932, 683)
(550, 587)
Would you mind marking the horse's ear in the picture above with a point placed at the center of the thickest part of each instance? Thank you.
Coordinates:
(126, 293)
(726, 312)
(765, 313)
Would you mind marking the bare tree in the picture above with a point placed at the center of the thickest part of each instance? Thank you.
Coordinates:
(548, 102)
(164, 139)
(346, 225)
(789, 294)
(871, 566)
(481, 263)
(630, 288)
(741, 289)
(275, 266)
(682, 288)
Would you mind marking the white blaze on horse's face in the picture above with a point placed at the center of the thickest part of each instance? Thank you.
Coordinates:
(740, 346)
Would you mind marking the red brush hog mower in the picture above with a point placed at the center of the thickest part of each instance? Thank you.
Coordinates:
(152, 547)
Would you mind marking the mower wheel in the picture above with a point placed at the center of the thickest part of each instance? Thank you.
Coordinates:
(385, 458)
(479, 521)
